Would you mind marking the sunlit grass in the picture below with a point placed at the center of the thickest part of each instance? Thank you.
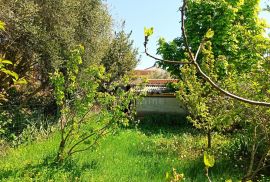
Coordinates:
(142, 154)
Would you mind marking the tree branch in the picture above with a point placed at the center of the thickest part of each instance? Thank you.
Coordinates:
(163, 60)
(184, 34)
(227, 93)
(101, 130)
(91, 146)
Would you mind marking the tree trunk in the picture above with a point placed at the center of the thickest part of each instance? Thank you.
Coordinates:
(60, 153)
(250, 173)
(209, 139)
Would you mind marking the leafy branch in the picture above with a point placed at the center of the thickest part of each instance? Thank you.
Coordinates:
(193, 60)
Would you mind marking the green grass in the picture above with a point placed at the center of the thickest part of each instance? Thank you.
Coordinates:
(142, 154)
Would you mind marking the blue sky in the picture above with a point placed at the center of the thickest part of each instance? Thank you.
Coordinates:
(161, 14)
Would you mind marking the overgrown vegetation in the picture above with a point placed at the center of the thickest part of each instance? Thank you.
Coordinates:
(222, 61)
(66, 84)
(145, 154)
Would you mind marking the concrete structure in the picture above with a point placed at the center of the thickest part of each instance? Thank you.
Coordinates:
(159, 99)
(159, 104)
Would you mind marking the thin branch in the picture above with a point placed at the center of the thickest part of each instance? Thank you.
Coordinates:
(182, 10)
(227, 93)
(199, 50)
(262, 167)
(72, 116)
(163, 60)
(89, 147)
(88, 136)
(207, 175)
(71, 135)
(82, 140)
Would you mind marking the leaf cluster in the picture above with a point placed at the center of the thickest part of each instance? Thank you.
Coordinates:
(81, 103)
(39, 36)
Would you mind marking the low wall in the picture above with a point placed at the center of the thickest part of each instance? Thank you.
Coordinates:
(159, 104)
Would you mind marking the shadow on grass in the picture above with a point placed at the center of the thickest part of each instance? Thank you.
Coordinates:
(47, 169)
(166, 124)
(195, 171)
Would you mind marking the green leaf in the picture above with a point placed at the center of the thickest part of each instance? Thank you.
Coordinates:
(6, 62)
(11, 73)
(148, 31)
(209, 160)
(167, 175)
(209, 34)
(2, 25)
(228, 180)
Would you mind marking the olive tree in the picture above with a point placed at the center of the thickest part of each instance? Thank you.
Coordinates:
(120, 58)
(40, 34)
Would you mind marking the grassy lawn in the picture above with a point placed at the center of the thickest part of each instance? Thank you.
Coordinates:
(144, 153)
